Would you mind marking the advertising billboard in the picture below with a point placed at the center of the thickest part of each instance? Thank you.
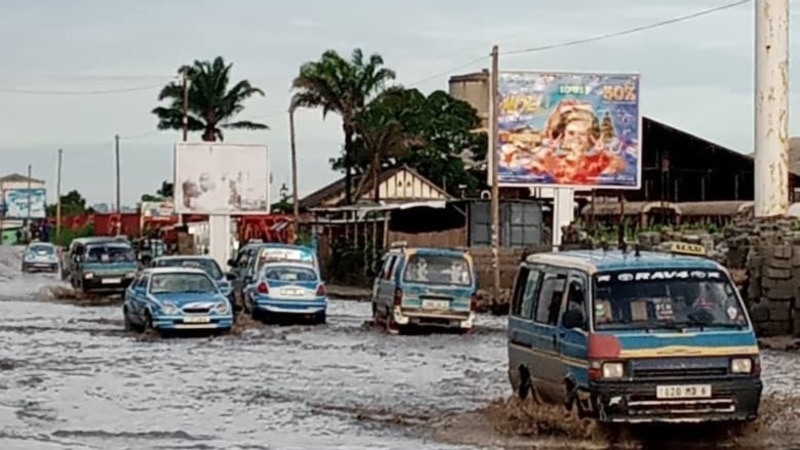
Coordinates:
(221, 179)
(15, 202)
(571, 130)
(157, 210)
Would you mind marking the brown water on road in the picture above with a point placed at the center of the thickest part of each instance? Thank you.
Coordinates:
(70, 378)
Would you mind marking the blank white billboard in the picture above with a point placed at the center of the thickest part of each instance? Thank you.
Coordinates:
(221, 179)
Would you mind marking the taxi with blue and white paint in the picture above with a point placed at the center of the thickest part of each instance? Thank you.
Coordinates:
(634, 337)
(175, 299)
(40, 257)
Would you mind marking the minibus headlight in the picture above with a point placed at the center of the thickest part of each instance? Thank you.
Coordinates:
(613, 370)
(741, 365)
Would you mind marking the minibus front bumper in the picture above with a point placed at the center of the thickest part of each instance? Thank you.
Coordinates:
(731, 400)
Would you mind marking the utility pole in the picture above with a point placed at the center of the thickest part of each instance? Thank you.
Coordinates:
(3, 210)
(495, 114)
(58, 195)
(30, 171)
(295, 197)
(772, 108)
(185, 76)
(116, 159)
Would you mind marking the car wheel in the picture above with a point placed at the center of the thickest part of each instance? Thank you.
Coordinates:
(128, 324)
(321, 318)
(148, 322)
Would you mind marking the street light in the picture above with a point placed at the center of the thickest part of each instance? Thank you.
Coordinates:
(284, 192)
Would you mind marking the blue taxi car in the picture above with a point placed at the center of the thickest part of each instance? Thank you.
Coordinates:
(169, 299)
(40, 257)
(634, 337)
(287, 290)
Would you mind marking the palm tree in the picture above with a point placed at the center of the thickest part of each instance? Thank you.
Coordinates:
(211, 105)
(381, 136)
(343, 87)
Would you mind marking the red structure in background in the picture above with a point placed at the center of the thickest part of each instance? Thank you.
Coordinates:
(269, 227)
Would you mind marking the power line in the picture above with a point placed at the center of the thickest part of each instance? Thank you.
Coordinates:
(600, 37)
(94, 92)
(638, 29)
(15, 76)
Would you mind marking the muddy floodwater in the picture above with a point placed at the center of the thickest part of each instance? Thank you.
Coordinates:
(70, 378)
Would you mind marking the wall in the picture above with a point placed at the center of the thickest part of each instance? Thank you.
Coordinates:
(509, 262)
(449, 238)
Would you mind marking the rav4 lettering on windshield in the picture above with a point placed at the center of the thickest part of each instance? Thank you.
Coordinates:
(661, 275)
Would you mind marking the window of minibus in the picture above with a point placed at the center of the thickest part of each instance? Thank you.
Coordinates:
(664, 298)
(438, 269)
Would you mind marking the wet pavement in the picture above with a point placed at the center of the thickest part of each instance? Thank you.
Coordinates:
(70, 378)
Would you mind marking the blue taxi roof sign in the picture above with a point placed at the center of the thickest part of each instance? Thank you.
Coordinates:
(685, 248)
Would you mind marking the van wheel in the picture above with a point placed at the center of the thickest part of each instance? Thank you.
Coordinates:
(127, 319)
(148, 322)
(525, 386)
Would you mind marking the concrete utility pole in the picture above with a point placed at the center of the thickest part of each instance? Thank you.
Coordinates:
(295, 195)
(58, 196)
(30, 172)
(116, 159)
(185, 77)
(772, 108)
(493, 147)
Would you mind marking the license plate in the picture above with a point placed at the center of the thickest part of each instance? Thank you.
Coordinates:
(111, 280)
(197, 319)
(292, 292)
(436, 304)
(684, 391)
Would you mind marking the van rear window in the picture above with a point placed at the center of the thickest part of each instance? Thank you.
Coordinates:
(438, 269)
(648, 299)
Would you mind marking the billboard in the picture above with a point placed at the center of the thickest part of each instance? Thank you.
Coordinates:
(157, 210)
(571, 130)
(221, 179)
(15, 202)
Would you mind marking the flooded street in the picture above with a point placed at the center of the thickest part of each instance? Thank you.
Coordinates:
(70, 378)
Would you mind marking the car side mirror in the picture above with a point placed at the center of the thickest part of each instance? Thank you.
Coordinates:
(231, 263)
(573, 318)
(230, 276)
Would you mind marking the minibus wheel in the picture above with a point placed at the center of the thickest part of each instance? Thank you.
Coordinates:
(524, 387)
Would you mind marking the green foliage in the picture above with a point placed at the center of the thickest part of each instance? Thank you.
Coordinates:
(284, 206)
(435, 131)
(72, 204)
(349, 262)
(342, 86)
(67, 236)
(212, 102)
(166, 190)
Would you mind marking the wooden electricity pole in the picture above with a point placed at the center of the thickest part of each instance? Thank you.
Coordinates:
(58, 195)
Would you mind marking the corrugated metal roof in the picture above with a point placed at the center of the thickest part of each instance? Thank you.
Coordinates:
(17, 178)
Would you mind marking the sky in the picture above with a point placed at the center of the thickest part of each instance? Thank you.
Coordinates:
(696, 75)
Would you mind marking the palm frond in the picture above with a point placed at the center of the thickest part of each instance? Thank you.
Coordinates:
(245, 125)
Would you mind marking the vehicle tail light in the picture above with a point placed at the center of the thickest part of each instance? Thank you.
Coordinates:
(263, 288)
(321, 292)
(398, 297)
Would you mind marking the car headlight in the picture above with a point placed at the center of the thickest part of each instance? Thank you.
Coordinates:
(169, 309)
(130, 275)
(28, 257)
(741, 365)
(88, 275)
(613, 370)
(222, 308)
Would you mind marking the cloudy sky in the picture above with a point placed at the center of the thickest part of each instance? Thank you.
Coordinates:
(696, 75)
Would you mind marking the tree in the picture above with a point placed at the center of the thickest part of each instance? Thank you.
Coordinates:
(211, 105)
(72, 204)
(439, 132)
(344, 87)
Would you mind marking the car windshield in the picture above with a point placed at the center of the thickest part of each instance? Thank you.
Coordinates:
(110, 253)
(438, 269)
(206, 264)
(42, 249)
(175, 283)
(289, 273)
(666, 299)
